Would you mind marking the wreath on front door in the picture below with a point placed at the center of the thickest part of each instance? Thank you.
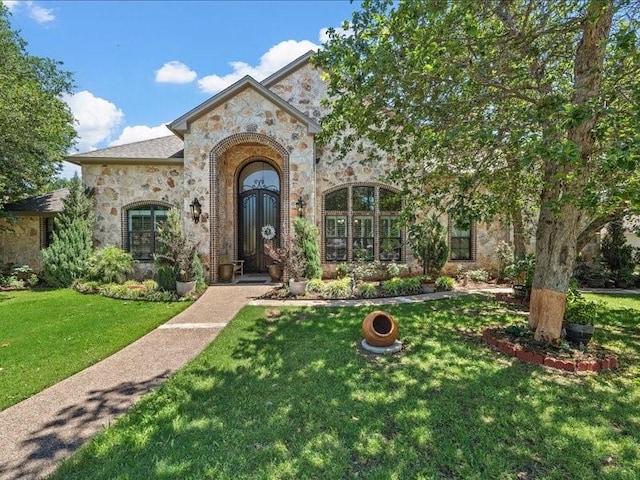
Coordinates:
(268, 232)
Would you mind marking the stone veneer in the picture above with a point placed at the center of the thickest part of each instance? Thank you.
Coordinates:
(21, 245)
(117, 186)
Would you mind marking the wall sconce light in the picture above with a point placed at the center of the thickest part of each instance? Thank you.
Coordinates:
(196, 210)
(300, 204)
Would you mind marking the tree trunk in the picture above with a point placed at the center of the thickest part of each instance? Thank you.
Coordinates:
(560, 220)
(519, 243)
(556, 242)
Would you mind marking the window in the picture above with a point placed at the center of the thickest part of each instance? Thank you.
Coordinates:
(142, 225)
(46, 232)
(461, 244)
(360, 223)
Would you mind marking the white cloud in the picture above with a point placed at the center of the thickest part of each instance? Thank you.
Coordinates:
(40, 14)
(324, 33)
(175, 72)
(11, 4)
(277, 57)
(96, 119)
(36, 12)
(140, 132)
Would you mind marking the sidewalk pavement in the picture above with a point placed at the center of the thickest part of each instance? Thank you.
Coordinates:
(39, 432)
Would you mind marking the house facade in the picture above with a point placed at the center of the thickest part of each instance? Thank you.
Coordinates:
(247, 159)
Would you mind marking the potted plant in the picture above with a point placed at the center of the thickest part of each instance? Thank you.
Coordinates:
(176, 252)
(427, 284)
(579, 316)
(295, 265)
(278, 259)
(521, 272)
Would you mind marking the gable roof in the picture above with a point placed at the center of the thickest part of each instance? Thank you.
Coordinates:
(50, 202)
(163, 150)
(287, 70)
(180, 126)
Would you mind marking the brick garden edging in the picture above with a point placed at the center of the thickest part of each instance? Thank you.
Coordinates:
(610, 362)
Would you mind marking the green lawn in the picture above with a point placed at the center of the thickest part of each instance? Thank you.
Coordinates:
(46, 336)
(292, 396)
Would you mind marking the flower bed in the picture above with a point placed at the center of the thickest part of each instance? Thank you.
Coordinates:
(522, 346)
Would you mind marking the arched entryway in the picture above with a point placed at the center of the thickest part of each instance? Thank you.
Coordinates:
(258, 209)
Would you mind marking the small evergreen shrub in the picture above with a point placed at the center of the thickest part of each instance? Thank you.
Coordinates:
(444, 283)
(65, 260)
(166, 278)
(198, 272)
(307, 238)
(618, 254)
(110, 265)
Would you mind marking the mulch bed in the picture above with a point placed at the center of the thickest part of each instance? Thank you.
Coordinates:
(519, 342)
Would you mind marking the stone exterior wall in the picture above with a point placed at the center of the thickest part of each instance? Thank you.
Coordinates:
(248, 119)
(304, 89)
(21, 244)
(116, 186)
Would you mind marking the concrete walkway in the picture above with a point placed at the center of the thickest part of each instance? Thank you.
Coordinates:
(38, 433)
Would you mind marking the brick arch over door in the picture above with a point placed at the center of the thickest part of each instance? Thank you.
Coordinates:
(214, 156)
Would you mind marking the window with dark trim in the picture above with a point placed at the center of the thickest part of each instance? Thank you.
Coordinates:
(461, 240)
(361, 223)
(142, 225)
(46, 232)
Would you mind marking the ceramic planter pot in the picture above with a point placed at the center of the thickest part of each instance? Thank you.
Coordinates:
(185, 288)
(521, 291)
(298, 287)
(226, 272)
(275, 272)
(579, 334)
(380, 329)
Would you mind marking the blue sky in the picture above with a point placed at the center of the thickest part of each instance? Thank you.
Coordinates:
(138, 65)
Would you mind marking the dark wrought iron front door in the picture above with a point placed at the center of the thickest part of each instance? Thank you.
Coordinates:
(259, 207)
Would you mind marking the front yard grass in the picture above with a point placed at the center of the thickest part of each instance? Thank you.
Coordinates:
(46, 336)
(288, 394)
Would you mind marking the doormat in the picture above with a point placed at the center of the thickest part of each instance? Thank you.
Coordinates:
(255, 282)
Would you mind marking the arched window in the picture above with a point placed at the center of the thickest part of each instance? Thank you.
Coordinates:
(361, 223)
(141, 227)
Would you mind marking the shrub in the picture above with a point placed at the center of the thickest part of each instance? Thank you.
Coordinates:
(521, 271)
(338, 288)
(166, 278)
(110, 265)
(342, 270)
(617, 253)
(91, 287)
(315, 285)
(428, 240)
(394, 269)
(307, 239)
(401, 286)
(478, 275)
(504, 252)
(578, 309)
(444, 283)
(65, 260)
(366, 290)
(175, 250)
(198, 272)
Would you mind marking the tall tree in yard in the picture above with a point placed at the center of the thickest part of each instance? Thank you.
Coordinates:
(36, 126)
(489, 106)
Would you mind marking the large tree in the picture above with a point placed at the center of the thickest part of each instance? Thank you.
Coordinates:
(36, 125)
(498, 107)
